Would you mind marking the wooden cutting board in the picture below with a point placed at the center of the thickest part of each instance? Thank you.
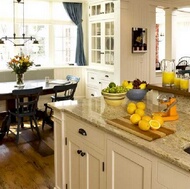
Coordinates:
(150, 135)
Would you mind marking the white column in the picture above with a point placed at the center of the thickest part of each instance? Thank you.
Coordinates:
(170, 33)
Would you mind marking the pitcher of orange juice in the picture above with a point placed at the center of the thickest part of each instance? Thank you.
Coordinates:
(168, 72)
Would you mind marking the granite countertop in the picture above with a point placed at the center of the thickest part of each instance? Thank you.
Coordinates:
(169, 148)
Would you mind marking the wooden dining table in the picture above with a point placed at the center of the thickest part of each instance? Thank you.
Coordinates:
(6, 88)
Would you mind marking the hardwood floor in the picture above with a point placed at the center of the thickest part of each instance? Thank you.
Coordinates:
(22, 166)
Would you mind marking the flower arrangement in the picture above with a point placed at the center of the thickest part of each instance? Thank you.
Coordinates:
(20, 64)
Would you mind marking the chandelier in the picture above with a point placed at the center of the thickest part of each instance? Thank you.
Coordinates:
(24, 38)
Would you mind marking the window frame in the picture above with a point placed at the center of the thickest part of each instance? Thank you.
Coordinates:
(50, 23)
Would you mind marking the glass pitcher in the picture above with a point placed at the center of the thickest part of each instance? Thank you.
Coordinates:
(168, 72)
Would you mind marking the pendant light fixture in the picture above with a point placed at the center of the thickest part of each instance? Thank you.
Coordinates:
(24, 38)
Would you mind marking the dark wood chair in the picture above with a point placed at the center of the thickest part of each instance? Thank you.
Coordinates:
(26, 101)
(72, 79)
(62, 92)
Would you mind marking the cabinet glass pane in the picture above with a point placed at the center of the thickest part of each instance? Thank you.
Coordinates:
(96, 43)
(109, 28)
(109, 8)
(109, 43)
(96, 29)
(96, 56)
(109, 58)
(95, 10)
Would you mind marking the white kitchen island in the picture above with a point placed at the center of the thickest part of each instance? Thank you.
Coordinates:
(91, 154)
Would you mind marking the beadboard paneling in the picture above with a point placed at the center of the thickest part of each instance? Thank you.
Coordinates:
(61, 73)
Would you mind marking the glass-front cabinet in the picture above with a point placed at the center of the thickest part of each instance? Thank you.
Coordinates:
(102, 43)
(101, 8)
(101, 34)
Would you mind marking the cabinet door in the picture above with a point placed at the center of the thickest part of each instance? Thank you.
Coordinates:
(102, 42)
(73, 164)
(84, 165)
(108, 42)
(126, 169)
(94, 173)
(95, 42)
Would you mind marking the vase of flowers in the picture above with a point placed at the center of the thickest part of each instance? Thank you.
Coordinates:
(20, 79)
(19, 65)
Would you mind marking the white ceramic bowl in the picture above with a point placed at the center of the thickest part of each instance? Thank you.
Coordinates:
(136, 94)
(114, 99)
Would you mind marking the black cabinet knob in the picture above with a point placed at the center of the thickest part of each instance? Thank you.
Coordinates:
(79, 151)
(83, 154)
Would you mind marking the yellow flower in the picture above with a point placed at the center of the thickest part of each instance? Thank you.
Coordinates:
(20, 64)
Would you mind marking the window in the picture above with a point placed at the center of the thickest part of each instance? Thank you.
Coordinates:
(53, 29)
(64, 41)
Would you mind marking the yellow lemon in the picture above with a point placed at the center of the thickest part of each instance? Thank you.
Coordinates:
(131, 104)
(135, 118)
(125, 83)
(144, 125)
(141, 105)
(142, 85)
(146, 117)
(140, 112)
(154, 124)
(131, 109)
(158, 118)
(130, 85)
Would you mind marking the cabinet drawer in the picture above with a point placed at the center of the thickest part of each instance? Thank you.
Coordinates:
(92, 78)
(85, 132)
(92, 92)
(106, 76)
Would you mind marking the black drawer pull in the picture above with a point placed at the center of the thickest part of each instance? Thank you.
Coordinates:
(92, 77)
(92, 94)
(106, 75)
(82, 132)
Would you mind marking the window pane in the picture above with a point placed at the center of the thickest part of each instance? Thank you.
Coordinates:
(65, 41)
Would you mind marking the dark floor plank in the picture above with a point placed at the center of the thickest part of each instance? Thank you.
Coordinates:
(21, 166)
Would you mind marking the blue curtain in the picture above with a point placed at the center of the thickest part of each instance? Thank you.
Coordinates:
(74, 11)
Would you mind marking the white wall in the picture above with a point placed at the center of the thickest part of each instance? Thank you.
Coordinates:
(141, 13)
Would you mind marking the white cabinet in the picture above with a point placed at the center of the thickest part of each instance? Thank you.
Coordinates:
(126, 169)
(96, 81)
(89, 158)
(101, 34)
(168, 176)
(58, 150)
(84, 156)
(108, 36)
(101, 8)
